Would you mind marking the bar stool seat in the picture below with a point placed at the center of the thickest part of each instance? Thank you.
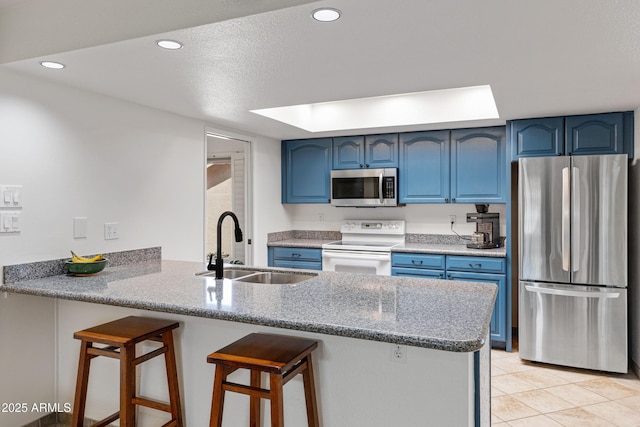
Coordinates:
(280, 356)
(120, 338)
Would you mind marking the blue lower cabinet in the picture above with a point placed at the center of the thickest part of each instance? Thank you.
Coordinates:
(462, 268)
(291, 257)
(499, 317)
(416, 272)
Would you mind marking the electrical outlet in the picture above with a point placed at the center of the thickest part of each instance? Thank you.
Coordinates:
(398, 353)
(111, 231)
(452, 219)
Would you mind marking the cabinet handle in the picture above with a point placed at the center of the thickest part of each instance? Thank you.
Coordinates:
(416, 261)
(446, 200)
(453, 200)
(295, 255)
(361, 165)
(442, 275)
(366, 165)
(449, 276)
(478, 265)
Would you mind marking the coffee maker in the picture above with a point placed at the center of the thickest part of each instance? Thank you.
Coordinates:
(487, 234)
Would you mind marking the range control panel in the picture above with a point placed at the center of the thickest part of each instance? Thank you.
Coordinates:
(373, 226)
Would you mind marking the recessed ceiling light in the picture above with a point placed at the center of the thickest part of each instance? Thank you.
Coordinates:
(169, 44)
(417, 108)
(326, 14)
(51, 64)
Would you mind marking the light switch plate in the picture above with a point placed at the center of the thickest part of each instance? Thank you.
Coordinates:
(11, 196)
(80, 227)
(10, 222)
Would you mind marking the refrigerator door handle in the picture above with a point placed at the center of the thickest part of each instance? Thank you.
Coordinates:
(575, 218)
(566, 220)
(568, 293)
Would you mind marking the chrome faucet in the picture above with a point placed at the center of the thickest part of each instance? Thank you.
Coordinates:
(219, 266)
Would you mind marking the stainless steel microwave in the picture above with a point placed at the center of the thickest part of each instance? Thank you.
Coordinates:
(364, 187)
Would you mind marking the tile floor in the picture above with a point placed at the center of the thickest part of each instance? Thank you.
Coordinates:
(534, 394)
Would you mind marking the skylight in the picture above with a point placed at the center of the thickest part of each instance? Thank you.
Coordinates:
(436, 106)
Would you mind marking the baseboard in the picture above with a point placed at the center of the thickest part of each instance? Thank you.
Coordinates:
(635, 368)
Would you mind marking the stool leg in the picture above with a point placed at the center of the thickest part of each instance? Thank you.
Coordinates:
(275, 390)
(217, 400)
(82, 382)
(172, 378)
(127, 385)
(254, 403)
(310, 394)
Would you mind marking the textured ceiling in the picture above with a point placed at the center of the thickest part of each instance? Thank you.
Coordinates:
(540, 58)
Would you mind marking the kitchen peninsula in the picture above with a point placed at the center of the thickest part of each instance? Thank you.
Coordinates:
(444, 379)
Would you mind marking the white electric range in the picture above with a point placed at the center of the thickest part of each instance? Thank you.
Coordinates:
(365, 247)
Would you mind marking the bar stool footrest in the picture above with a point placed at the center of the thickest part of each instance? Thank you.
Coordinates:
(106, 421)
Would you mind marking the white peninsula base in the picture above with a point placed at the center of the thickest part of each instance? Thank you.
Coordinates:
(357, 383)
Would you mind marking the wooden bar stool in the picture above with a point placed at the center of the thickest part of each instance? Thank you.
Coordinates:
(282, 357)
(120, 338)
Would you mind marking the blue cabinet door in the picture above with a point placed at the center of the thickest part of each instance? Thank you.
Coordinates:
(417, 272)
(595, 134)
(537, 137)
(348, 152)
(424, 167)
(306, 170)
(478, 165)
(287, 257)
(381, 151)
(499, 316)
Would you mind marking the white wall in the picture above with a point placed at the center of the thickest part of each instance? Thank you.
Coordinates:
(423, 219)
(80, 154)
(269, 214)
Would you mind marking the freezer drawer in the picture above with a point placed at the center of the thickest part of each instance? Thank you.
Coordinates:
(569, 325)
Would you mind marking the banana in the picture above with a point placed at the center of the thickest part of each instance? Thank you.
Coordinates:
(78, 258)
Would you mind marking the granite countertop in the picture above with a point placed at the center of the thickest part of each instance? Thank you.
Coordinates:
(426, 248)
(301, 243)
(448, 249)
(437, 314)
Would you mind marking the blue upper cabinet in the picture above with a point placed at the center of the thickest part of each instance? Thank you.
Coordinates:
(371, 151)
(306, 170)
(348, 152)
(537, 137)
(424, 167)
(381, 151)
(608, 133)
(595, 134)
(478, 165)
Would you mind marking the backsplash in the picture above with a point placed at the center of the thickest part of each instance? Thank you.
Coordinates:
(304, 234)
(38, 270)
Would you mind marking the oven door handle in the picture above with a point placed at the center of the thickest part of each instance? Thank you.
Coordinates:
(380, 187)
(355, 255)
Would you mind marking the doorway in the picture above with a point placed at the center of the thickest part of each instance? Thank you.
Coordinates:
(227, 189)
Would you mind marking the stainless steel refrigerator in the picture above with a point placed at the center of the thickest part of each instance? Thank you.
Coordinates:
(573, 261)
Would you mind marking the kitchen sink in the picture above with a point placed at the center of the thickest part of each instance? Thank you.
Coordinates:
(228, 273)
(276, 278)
(257, 276)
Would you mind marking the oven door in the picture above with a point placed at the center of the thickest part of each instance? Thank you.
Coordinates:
(357, 262)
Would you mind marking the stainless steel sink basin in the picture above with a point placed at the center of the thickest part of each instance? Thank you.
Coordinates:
(228, 273)
(269, 277)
